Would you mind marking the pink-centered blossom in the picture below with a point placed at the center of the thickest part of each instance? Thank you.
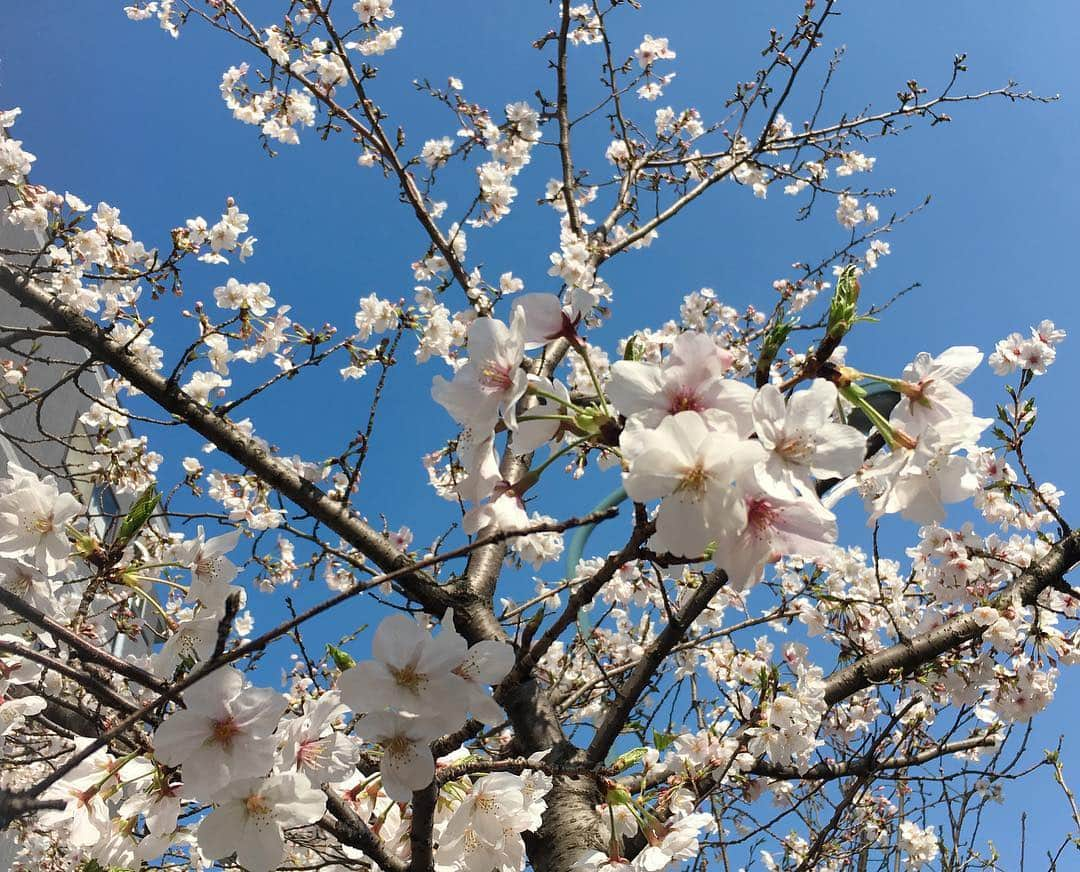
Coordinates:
(311, 745)
(222, 734)
(776, 527)
(930, 396)
(412, 673)
(803, 442)
(249, 817)
(917, 483)
(407, 764)
(691, 379)
(492, 381)
(693, 469)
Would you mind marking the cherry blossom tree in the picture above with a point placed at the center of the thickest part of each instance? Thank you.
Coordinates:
(739, 680)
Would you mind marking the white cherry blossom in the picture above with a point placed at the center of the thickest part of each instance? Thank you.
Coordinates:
(492, 380)
(33, 517)
(693, 468)
(406, 764)
(691, 379)
(312, 746)
(412, 673)
(776, 526)
(803, 442)
(85, 817)
(211, 570)
(222, 734)
(250, 814)
(930, 396)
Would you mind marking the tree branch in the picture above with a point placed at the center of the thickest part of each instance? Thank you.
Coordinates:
(226, 436)
(607, 731)
(904, 657)
(350, 829)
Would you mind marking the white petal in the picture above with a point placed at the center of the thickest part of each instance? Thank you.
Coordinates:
(840, 450)
(405, 772)
(262, 846)
(398, 640)
(209, 695)
(653, 474)
(680, 527)
(769, 412)
(634, 386)
(808, 410)
(957, 363)
(218, 831)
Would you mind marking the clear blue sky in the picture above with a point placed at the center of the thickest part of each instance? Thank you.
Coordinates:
(117, 111)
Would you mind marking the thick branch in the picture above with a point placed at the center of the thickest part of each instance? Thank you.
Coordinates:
(630, 692)
(83, 649)
(349, 829)
(100, 691)
(904, 657)
(578, 599)
(422, 829)
(226, 436)
(14, 806)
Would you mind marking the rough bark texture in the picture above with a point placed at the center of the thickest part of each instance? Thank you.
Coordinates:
(571, 826)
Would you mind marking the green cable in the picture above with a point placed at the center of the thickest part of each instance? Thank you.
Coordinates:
(582, 534)
(577, 548)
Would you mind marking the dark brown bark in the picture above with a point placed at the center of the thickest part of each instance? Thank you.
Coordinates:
(903, 657)
(226, 436)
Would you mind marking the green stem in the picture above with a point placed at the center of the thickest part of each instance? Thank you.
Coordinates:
(154, 580)
(536, 473)
(562, 401)
(894, 383)
(546, 418)
(153, 603)
(873, 415)
(111, 773)
(580, 348)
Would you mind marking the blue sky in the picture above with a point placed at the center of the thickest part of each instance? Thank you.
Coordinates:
(117, 111)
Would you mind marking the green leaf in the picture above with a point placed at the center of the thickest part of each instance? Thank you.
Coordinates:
(662, 741)
(630, 758)
(771, 343)
(843, 309)
(139, 513)
(341, 659)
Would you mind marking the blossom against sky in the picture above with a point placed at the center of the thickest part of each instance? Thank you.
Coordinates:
(119, 112)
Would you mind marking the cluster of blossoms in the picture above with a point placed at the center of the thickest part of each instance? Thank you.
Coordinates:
(510, 146)
(725, 476)
(14, 161)
(735, 470)
(1033, 353)
(686, 443)
(737, 473)
(483, 830)
(261, 758)
(418, 688)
